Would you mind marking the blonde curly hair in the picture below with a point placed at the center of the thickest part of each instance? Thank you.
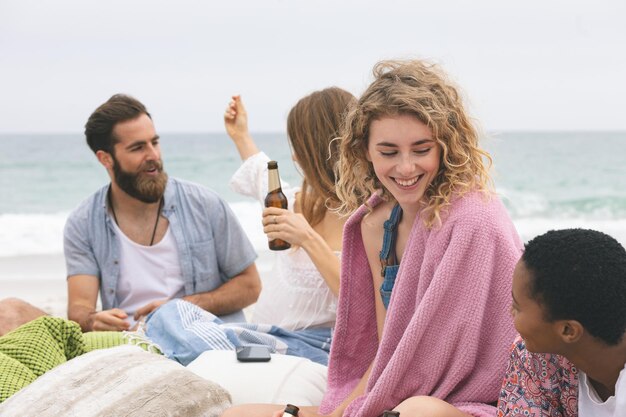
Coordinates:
(419, 89)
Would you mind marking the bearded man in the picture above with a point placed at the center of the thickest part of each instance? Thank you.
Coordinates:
(145, 238)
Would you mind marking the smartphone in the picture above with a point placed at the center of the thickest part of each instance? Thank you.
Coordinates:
(253, 354)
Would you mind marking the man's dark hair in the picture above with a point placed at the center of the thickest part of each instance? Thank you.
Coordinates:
(578, 274)
(99, 127)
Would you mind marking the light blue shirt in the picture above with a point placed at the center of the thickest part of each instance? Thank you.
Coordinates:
(212, 246)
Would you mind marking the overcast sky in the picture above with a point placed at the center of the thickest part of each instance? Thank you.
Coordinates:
(524, 65)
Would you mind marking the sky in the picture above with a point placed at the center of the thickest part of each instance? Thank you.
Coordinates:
(525, 65)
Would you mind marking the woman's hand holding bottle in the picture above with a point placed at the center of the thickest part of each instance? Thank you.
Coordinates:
(288, 226)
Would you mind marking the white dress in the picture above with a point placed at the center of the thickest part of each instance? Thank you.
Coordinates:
(295, 295)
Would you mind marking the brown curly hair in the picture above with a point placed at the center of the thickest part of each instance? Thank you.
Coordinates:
(422, 90)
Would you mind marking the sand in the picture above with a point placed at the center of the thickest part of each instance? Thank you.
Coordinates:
(38, 279)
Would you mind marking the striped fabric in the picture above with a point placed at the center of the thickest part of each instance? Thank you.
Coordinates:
(183, 331)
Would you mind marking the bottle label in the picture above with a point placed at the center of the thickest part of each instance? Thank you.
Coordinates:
(273, 180)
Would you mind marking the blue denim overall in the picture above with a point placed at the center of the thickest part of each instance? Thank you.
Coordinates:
(387, 256)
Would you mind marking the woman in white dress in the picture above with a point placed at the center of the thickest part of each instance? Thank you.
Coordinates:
(301, 292)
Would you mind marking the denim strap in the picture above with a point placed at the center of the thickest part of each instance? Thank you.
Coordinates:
(388, 252)
(388, 259)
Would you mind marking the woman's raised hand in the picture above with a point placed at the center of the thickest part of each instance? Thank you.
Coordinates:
(236, 119)
(236, 123)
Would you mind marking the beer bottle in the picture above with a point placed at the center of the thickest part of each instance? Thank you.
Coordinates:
(290, 411)
(275, 198)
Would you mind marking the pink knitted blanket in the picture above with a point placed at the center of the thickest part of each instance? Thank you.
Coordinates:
(448, 330)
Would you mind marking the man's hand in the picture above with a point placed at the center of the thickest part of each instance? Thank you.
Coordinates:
(109, 320)
(148, 308)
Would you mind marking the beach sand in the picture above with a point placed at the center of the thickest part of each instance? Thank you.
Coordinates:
(38, 279)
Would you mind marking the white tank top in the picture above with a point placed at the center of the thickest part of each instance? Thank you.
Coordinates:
(591, 405)
(147, 273)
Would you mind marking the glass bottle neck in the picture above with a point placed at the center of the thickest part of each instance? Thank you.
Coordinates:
(273, 180)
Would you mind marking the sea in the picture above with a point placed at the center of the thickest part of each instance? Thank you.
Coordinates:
(547, 180)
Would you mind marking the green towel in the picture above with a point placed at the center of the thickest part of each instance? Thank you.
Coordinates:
(42, 344)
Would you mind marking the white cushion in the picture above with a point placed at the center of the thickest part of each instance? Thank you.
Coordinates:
(121, 381)
(284, 379)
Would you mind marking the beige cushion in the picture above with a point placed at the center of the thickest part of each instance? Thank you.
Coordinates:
(284, 379)
(121, 381)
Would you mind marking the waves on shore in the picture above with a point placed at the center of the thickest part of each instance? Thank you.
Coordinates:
(42, 234)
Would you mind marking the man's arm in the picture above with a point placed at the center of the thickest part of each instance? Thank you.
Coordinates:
(239, 292)
(234, 295)
(82, 293)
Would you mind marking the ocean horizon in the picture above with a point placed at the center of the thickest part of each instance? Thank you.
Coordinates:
(547, 180)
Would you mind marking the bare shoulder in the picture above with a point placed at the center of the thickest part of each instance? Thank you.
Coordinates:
(374, 220)
(372, 226)
(372, 235)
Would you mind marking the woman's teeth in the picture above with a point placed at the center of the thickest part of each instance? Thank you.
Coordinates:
(408, 182)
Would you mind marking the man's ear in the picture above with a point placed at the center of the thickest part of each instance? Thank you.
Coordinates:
(105, 158)
(570, 330)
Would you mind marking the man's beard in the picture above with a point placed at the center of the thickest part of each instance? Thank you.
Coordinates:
(144, 188)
